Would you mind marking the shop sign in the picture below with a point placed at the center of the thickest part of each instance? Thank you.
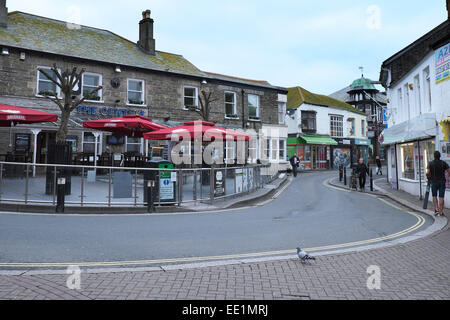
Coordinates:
(370, 134)
(362, 142)
(219, 187)
(166, 186)
(442, 63)
(108, 111)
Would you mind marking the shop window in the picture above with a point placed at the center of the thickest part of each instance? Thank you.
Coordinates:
(90, 82)
(427, 149)
(133, 144)
(253, 107)
(230, 104)
(135, 92)
(407, 160)
(336, 126)
(190, 97)
(73, 142)
(309, 121)
(88, 142)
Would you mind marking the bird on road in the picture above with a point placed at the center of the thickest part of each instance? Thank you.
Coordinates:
(303, 255)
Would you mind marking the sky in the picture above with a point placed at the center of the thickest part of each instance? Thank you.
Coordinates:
(316, 44)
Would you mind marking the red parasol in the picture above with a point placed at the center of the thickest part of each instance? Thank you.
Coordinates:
(11, 115)
(197, 130)
(128, 125)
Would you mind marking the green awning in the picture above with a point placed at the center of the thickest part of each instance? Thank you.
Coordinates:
(310, 139)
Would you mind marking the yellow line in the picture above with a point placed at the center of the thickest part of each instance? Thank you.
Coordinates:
(419, 223)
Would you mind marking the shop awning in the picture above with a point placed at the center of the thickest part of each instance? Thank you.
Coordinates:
(312, 139)
(420, 127)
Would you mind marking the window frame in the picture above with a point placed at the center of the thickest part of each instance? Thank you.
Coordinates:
(195, 96)
(142, 92)
(303, 115)
(282, 112)
(58, 89)
(99, 92)
(140, 144)
(340, 120)
(257, 117)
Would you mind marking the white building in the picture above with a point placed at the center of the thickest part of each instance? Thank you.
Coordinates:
(418, 109)
(323, 131)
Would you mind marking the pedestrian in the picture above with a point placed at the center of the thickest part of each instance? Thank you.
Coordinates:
(361, 171)
(378, 162)
(295, 162)
(436, 175)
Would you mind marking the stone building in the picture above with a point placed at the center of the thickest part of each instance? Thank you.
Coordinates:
(136, 79)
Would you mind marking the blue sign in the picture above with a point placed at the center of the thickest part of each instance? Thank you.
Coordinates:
(362, 142)
(108, 111)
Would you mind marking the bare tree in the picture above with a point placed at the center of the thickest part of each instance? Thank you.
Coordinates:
(205, 101)
(66, 81)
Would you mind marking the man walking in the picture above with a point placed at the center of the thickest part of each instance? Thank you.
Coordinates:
(378, 162)
(361, 171)
(294, 160)
(436, 174)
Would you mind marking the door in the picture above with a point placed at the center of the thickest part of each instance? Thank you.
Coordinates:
(314, 157)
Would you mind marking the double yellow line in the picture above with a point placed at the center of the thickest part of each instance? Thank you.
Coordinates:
(417, 225)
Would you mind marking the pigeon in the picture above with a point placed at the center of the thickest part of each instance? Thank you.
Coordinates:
(303, 255)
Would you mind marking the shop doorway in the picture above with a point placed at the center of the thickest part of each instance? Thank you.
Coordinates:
(44, 138)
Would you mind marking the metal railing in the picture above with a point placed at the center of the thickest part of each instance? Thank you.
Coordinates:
(124, 186)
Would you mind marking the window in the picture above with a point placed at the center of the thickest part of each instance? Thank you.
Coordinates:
(230, 104)
(351, 130)
(253, 149)
(309, 121)
(417, 95)
(89, 83)
(136, 91)
(230, 146)
(190, 97)
(363, 128)
(133, 144)
(274, 149)
(281, 112)
(73, 142)
(407, 109)
(427, 88)
(336, 126)
(253, 106)
(89, 142)
(400, 101)
(407, 156)
(46, 87)
(282, 150)
(267, 149)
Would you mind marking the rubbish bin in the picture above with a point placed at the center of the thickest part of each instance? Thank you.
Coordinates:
(165, 186)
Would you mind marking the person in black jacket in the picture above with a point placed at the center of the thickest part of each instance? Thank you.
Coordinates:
(361, 171)
(436, 175)
(295, 161)
(378, 162)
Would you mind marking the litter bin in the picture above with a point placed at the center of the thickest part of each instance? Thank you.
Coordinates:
(165, 186)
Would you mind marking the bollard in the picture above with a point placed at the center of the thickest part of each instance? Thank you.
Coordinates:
(150, 205)
(371, 180)
(340, 172)
(60, 195)
(345, 176)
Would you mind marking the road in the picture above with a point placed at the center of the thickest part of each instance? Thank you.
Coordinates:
(308, 213)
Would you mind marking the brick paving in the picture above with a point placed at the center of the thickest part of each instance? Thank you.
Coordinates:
(419, 269)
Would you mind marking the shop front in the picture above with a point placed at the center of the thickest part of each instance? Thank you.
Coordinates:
(313, 151)
(348, 151)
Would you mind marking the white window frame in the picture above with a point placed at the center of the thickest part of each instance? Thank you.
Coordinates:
(184, 96)
(134, 143)
(142, 92)
(253, 149)
(230, 151)
(334, 124)
(257, 107)
(58, 89)
(83, 142)
(234, 105)
(363, 127)
(282, 148)
(100, 83)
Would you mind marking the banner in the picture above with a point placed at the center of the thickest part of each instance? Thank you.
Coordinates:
(442, 63)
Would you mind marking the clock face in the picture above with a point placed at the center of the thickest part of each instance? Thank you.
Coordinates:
(115, 82)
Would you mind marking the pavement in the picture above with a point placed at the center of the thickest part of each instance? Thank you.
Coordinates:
(417, 269)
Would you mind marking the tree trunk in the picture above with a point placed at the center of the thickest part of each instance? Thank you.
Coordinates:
(61, 135)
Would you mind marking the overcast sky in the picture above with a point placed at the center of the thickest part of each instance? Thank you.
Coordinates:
(317, 44)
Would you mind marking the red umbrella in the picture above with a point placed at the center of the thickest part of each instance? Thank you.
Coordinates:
(129, 125)
(197, 130)
(11, 115)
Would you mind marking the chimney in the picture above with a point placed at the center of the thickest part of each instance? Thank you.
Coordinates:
(3, 14)
(146, 41)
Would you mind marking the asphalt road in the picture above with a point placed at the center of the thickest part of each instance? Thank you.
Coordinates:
(307, 214)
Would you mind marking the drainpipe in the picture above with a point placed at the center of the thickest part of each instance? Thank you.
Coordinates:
(396, 164)
(243, 114)
(420, 172)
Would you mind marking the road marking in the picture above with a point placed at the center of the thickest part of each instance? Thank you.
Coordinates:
(276, 195)
(419, 223)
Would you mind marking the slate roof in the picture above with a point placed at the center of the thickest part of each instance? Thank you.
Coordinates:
(47, 35)
(297, 96)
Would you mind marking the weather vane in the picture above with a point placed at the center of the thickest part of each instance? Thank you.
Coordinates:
(362, 70)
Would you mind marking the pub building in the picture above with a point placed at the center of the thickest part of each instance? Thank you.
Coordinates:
(136, 79)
